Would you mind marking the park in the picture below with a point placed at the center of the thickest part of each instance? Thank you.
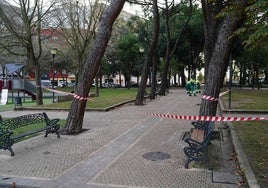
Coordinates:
(113, 124)
(115, 100)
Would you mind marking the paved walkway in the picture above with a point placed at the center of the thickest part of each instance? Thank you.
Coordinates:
(112, 152)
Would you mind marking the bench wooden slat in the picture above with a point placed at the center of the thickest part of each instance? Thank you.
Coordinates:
(197, 135)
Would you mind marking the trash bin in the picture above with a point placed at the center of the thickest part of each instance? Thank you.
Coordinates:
(18, 102)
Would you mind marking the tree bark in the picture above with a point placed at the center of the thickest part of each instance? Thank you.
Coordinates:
(39, 93)
(219, 58)
(75, 117)
(154, 44)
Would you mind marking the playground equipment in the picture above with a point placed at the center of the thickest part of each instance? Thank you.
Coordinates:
(13, 80)
(4, 97)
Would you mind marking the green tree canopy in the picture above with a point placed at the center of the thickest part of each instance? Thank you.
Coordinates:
(128, 53)
(255, 28)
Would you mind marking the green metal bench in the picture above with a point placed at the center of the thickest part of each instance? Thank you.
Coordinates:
(199, 141)
(7, 127)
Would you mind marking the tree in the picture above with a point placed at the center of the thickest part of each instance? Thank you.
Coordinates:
(171, 48)
(77, 24)
(218, 62)
(150, 60)
(253, 64)
(76, 115)
(23, 24)
(125, 25)
(128, 53)
(255, 29)
(188, 53)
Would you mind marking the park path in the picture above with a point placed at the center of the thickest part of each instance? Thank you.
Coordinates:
(112, 152)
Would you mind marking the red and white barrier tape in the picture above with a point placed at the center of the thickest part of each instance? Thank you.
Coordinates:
(206, 118)
(80, 98)
(75, 95)
(210, 98)
(206, 97)
(223, 93)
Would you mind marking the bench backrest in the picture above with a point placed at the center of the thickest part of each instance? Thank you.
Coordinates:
(21, 121)
(203, 125)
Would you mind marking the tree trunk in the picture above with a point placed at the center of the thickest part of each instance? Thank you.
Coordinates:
(39, 94)
(219, 59)
(153, 79)
(142, 86)
(154, 44)
(75, 117)
(164, 85)
(183, 79)
(37, 67)
(164, 80)
(150, 61)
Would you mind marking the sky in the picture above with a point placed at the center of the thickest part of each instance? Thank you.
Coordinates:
(133, 9)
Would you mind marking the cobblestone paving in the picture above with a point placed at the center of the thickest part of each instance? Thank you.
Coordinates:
(51, 156)
(132, 169)
(110, 153)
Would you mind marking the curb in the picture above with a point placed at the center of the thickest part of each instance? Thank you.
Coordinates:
(67, 109)
(243, 161)
(242, 158)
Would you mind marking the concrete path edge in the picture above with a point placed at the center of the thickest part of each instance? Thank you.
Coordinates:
(242, 158)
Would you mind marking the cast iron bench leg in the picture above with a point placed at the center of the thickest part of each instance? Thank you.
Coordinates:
(12, 153)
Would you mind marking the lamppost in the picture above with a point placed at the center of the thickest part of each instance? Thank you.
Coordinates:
(53, 52)
(141, 50)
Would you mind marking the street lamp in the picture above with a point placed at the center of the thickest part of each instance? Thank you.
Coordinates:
(53, 52)
(141, 49)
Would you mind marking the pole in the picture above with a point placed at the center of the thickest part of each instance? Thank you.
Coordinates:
(53, 52)
(53, 79)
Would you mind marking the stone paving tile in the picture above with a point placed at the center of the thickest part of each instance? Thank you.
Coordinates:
(50, 156)
(132, 169)
(111, 153)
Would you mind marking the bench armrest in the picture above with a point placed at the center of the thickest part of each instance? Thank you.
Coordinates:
(193, 143)
(4, 136)
(50, 122)
(53, 122)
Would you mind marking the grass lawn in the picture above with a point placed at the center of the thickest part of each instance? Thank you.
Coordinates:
(253, 135)
(107, 97)
(248, 99)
